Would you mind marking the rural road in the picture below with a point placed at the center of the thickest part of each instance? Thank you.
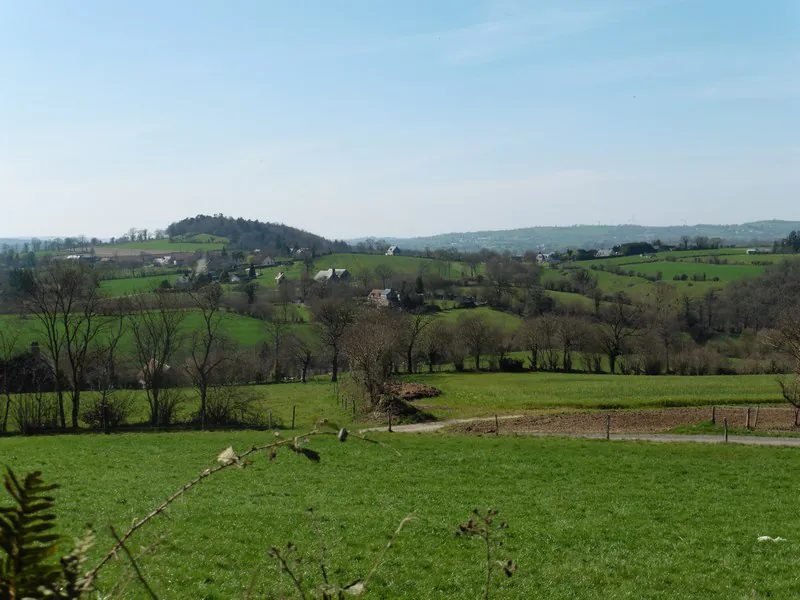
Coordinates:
(645, 437)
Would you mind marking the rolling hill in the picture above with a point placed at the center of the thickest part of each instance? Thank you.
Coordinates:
(248, 234)
(596, 236)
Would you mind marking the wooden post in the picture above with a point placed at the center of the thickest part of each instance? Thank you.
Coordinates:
(714, 415)
(726, 430)
(608, 427)
(755, 419)
(747, 419)
(496, 425)
(294, 408)
(269, 412)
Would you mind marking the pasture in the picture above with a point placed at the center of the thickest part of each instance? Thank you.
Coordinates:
(466, 395)
(587, 519)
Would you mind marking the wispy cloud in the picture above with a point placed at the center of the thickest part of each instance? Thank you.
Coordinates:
(512, 28)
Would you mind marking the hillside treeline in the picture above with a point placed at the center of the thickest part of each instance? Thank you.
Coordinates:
(247, 234)
(167, 341)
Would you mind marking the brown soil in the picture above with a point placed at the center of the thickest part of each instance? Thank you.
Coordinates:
(412, 391)
(775, 419)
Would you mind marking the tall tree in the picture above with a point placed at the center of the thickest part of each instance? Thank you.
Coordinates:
(384, 272)
(620, 323)
(415, 324)
(156, 326)
(478, 334)
(64, 299)
(208, 345)
(333, 317)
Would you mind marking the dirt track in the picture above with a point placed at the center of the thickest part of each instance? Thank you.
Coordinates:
(780, 419)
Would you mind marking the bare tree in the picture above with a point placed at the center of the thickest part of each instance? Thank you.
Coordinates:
(570, 332)
(277, 321)
(529, 337)
(478, 334)
(415, 324)
(665, 321)
(384, 273)
(436, 340)
(620, 323)
(302, 349)
(157, 334)
(208, 346)
(64, 299)
(364, 276)
(786, 339)
(370, 346)
(333, 317)
(80, 300)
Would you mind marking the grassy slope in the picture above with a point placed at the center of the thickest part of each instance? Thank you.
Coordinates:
(468, 394)
(588, 519)
(167, 246)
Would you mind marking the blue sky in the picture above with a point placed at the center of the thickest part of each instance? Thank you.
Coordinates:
(371, 117)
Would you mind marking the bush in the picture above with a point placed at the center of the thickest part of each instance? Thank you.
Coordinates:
(231, 405)
(511, 365)
(118, 408)
(36, 413)
(169, 399)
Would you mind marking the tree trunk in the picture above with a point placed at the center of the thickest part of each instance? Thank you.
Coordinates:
(335, 365)
(409, 359)
(154, 408)
(304, 372)
(477, 361)
(612, 362)
(76, 405)
(62, 417)
(203, 398)
(5, 413)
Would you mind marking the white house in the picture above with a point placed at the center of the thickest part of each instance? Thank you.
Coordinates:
(393, 251)
(332, 274)
(605, 253)
(280, 277)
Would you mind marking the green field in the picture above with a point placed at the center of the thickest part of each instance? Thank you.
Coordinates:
(508, 322)
(247, 331)
(167, 246)
(587, 519)
(134, 285)
(470, 394)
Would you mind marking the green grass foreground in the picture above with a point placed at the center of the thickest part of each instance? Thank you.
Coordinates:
(588, 519)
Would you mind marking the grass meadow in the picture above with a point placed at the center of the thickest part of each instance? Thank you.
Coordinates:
(466, 395)
(588, 519)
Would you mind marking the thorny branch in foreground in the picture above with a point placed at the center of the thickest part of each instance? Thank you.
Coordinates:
(229, 458)
(327, 590)
(480, 525)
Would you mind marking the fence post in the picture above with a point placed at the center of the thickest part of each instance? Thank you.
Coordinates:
(608, 427)
(269, 412)
(714, 415)
(726, 430)
(747, 419)
(294, 408)
(496, 425)
(755, 419)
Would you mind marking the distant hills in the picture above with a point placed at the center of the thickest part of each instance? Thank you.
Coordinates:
(596, 236)
(248, 234)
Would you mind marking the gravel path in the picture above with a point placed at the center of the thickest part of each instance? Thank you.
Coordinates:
(647, 437)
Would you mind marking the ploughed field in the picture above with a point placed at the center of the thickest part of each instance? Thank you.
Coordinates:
(588, 519)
